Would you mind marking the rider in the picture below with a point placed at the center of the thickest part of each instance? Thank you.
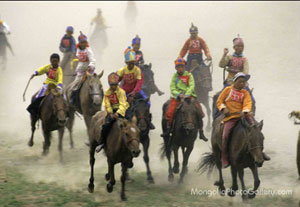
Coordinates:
(136, 44)
(67, 47)
(115, 104)
(54, 75)
(194, 45)
(86, 62)
(235, 102)
(182, 86)
(4, 28)
(99, 19)
(132, 81)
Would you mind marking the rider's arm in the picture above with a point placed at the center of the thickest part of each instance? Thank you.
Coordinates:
(120, 73)
(61, 45)
(123, 104)
(224, 61)
(59, 77)
(107, 105)
(42, 70)
(139, 81)
(246, 66)
(173, 87)
(185, 48)
(205, 48)
(191, 86)
(247, 103)
(92, 60)
(6, 27)
(73, 45)
(221, 100)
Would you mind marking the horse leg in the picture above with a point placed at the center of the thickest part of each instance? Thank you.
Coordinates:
(46, 144)
(252, 193)
(69, 126)
(92, 162)
(208, 112)
(234, 186)
(219, 183)
(171, 176)
(146, 144)
(34, 119)
(176, 162)
(112, 181)
(123, 179)
(60, 147)
(186, 156)
(241, 176)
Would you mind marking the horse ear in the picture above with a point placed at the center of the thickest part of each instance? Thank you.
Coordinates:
(150, 65)
(261, 124)
(123, 123)
(101, 74)
(134, 120)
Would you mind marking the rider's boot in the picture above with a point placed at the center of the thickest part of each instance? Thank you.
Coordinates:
(224, 156)
(151, 124)
(266, 157)
(168, 129)
(202, 136)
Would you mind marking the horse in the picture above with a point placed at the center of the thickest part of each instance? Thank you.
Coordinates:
(149, 87)
(53, 112)
(184, 133)
(245, 149)
(141, 112)
(293, 114)
(202, 77)
(90, 100)
(3, 45)
(122, 145)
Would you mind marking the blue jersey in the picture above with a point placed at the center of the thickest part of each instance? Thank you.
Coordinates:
(67, 44)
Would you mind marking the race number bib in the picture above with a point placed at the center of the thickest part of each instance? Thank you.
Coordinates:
(237, 96)
(113, 99)
(129, 78)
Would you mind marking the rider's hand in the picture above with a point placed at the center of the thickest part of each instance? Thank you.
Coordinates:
(225, 111)
(243, 114)
(226, 51)
(182, 96)
(131, 94)
(32, 76)
(116, 115)
(209, 58)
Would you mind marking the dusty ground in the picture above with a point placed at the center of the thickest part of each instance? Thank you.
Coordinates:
(270, 31)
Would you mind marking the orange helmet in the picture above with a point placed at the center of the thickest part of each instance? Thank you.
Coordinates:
(180, 61)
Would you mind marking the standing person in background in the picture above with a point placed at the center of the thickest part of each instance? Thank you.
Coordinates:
(194, 45)
(4, 30)
(67, 47)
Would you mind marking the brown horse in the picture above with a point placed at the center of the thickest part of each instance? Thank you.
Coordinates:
(90, 95)
(184, 133)
(203, 81)
(121, 146)
(52, 112)
(245, 149)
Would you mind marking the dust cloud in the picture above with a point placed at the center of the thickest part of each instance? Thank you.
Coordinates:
(271, 34)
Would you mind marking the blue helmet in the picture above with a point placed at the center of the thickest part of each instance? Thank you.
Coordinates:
(70, 29)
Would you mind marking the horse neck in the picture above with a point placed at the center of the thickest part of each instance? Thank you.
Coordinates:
(115, 136)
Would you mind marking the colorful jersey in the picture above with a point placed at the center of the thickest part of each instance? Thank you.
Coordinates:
(67, 44)
(236, 63)
(235, 101)
(183, 84)
(132, 79)
(194, 46)
(139, 57)
(86, 58)
(4, 28)
(54, 76)
(115, 100)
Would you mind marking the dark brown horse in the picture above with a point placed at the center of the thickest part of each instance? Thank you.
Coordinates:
(245, 149)
(184, 133)
(90, 96)
(53, 113)
(203, 81)
(122, 144)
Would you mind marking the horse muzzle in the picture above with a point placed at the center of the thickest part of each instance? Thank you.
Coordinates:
(189, 126)
(61, 122)
(135, 153)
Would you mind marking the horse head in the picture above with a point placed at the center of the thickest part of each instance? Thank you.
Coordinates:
(59, 106)
(188, 114)
(130, 136)
(256, 143)
(141, 111)
(95, 89)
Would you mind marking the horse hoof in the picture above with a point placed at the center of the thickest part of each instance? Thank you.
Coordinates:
(107, 177)
(176, 169)
(30, 143)
(71, 146)
(171, 178)
(109, 188)
(231, 192)
(251, 194)
(123, 197)
(150, 180)
(217, 183)
(91, 188)
(222, 190)
(45, 153)
(244, 197)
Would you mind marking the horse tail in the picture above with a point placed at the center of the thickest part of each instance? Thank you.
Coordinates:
(163, 151)
(207, 163)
